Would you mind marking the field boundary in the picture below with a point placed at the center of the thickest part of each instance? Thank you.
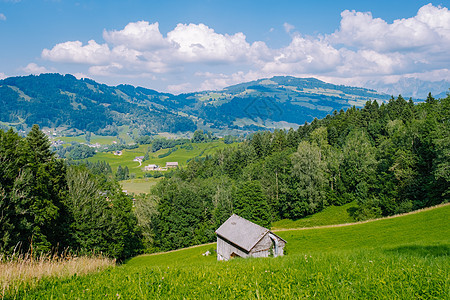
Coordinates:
(363, 222)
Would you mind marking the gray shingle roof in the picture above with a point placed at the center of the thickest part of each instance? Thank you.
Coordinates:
(241, 232)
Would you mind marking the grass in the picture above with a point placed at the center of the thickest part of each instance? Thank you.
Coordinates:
(398, 258)
(139, 186)
(329, 216)
(181, 156)
(426, 228)
(26, 272)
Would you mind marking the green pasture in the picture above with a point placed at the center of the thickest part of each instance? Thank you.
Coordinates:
(139, 185)
(423, 229)
(181, 156)
(329, 216)
(102, 140)
(406, 257)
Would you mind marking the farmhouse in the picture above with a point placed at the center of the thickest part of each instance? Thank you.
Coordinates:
(172, 164)
(151, 167)
(238, 237)
(138, 158)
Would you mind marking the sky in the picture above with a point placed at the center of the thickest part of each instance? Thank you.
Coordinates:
(184, 46)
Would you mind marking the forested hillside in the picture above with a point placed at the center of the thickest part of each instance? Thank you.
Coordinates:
(53, 100)
(75, 106)
(389, 159)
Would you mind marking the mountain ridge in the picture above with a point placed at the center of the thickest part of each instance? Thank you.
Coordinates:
(62, 101)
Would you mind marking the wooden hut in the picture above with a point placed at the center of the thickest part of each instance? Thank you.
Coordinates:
(238, 237)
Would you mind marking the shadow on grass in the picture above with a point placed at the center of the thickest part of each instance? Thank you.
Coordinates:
(434, 251)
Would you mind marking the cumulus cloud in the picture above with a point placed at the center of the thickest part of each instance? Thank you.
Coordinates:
(2, 75)
(33, 68)
(368, 46)
(75, 52)
(303, 55)
(199, 43)
(2, 17)
(362, 47)
(429, 27)
(140, 35)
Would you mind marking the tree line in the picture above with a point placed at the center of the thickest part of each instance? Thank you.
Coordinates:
(48, 205)
(388, 159)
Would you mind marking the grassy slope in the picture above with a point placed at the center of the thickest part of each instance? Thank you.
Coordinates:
(426, 228)
(181, 156)
(398, 258)
(329, 216)
(139, 185)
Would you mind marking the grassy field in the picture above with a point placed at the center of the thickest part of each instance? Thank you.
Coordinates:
(406, 257)
(140, 185)
(180, 156)
(329, 216)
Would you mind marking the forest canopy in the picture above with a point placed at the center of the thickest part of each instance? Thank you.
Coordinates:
(387, 159)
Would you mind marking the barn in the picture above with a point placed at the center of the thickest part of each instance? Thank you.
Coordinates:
(238, 237)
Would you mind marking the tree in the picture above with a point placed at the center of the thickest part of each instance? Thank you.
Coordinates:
(309, 173)
(100, 215)
(198, 137)
(251, 203)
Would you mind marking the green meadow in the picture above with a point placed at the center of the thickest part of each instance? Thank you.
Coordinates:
(405, 257)
(331, 215)
(181, 156)
(139, 185)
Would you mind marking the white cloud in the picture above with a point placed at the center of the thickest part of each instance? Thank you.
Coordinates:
(199, 43)
(363, 47)
(140, 35)
(430, 27)
(33, 68)
(2, 76)
(288, 27)
(179, 88)
(75, 52)
(80, 75)
(303, 55)
(219, 80)
(2, 17)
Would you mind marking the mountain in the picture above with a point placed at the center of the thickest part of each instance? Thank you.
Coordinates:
(77, 105)
(413, 87)
(278, 102)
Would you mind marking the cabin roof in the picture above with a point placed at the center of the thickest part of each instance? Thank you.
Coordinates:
(241, 232)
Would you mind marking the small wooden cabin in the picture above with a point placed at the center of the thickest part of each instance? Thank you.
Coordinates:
(238, 237)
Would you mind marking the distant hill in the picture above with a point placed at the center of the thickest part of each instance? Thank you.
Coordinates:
(413, 87)
(74, 105)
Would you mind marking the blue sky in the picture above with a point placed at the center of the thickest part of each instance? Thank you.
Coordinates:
(180, 46)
